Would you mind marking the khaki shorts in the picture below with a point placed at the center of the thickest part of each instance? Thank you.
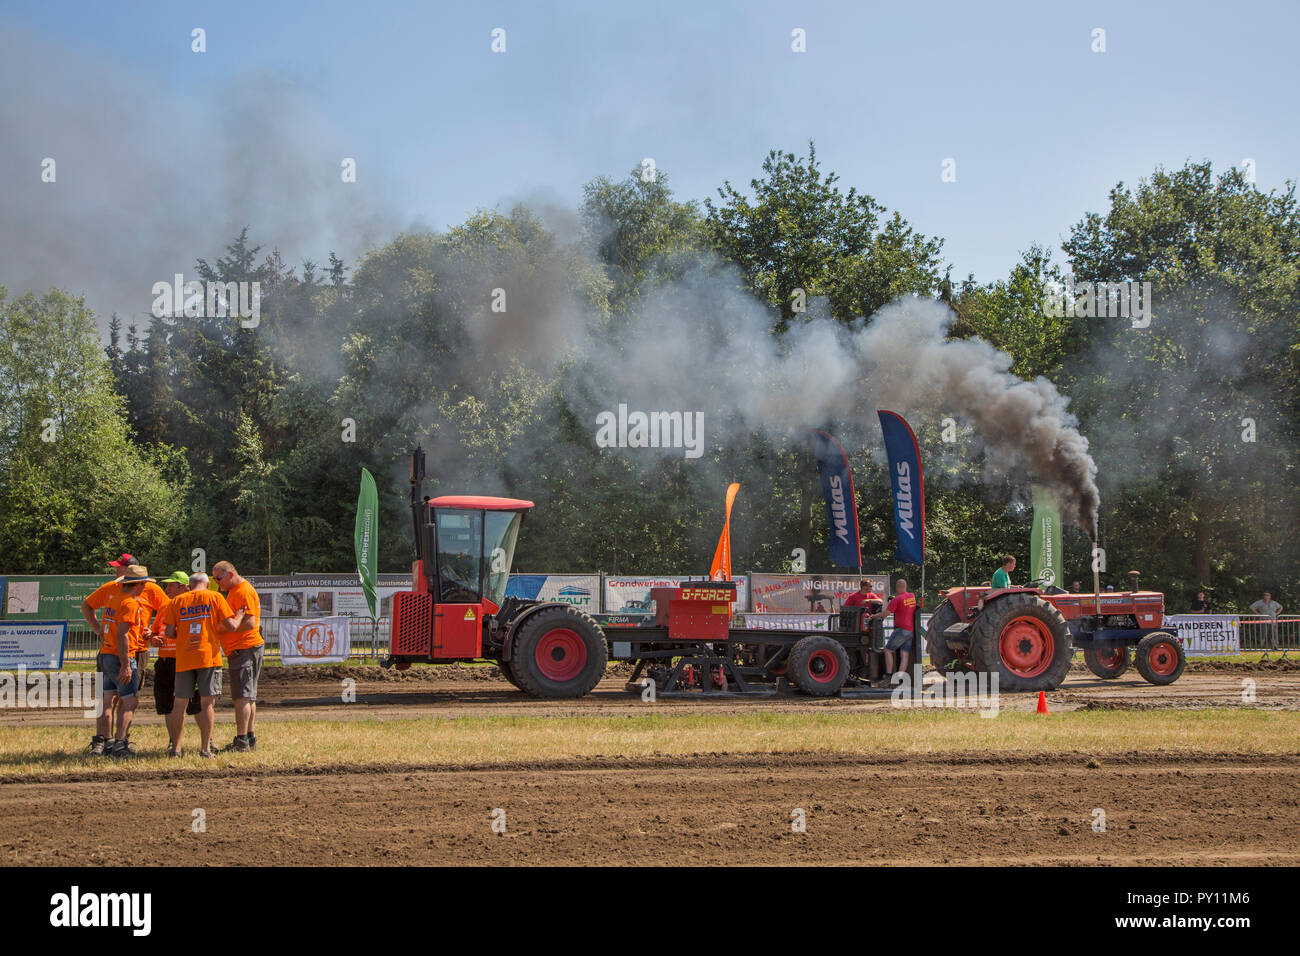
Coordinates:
(245, 669)
(207, 680)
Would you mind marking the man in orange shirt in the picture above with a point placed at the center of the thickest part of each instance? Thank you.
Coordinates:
(164, 669)
(193, 620)
(126, 621)
(244, 647)
(153, 597)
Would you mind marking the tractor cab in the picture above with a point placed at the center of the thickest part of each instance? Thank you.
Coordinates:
(464, 545)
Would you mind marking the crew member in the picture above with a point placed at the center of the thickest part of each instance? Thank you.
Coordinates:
(1002, 576)
(126, 620)
(194, 621)
(164, 669)
(864, 597)
(903, 607)
(244, 647)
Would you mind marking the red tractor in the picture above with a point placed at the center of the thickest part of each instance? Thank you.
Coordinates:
(457, 609)
(1027, 636)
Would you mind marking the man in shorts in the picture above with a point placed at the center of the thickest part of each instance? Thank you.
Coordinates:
(244, 647)
(903, 607)
(126, 621)
(193, 621)
(164, 669)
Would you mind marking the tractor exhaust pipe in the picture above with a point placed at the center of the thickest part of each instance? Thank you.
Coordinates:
(1096, 573)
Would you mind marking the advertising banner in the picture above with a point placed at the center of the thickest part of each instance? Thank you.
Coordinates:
(809, 593)
(1045, 554)
(325, 640)
(580, 590)
(35, 645)
(1204, 635)
(47, 597)
(323, 595)
(631, 595)
(841, 502)
(908, 486)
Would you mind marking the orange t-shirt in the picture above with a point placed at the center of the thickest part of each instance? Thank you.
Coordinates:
(152, 598)
(168, 649)
(244, 594)
(195, 616)
(130, 609)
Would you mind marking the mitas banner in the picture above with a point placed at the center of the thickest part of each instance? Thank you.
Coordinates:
(322, 640)
(841, 502)
(908, 486)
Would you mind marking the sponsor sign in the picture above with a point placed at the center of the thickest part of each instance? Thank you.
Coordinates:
(34, 645)
(809, 593)
(325, 640)
(631, 595)
(580, 590)
(1203, 635)
(49, 597)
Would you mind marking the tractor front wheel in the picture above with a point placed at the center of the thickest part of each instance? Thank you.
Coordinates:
(818, 665)
(1024, 640)
(1160, 658)
(1107, 663)
(558, 652)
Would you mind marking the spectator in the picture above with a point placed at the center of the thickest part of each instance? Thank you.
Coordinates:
(1270, 609)
(1002, 576)
(164, 670)
(126, 621)
(903, 607)
(244, 648)
(1076, 587)
(1202, 604)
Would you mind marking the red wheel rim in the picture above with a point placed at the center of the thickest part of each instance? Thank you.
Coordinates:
(1027, 646)
(823, 666)
(561, 654)
(1112, 658)
(1163, 658)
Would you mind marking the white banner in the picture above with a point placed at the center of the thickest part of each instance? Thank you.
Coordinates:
(32, 645)
(580, 590)
(809, 593)
(321, 640)
(1204, 635)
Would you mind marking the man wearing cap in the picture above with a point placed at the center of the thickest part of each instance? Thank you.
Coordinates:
(152, 597)
(126, 620)
(164, 669)
(244, 647)
(193, 621)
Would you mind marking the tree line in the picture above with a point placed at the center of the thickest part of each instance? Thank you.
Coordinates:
(195, 432)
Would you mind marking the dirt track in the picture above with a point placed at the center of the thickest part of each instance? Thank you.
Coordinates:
(970, 808)
(709, 810)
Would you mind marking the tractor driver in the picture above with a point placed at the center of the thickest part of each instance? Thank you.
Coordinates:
(864, 597)
(1002, 576)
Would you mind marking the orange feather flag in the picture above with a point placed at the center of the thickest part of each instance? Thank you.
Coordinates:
(721, 568)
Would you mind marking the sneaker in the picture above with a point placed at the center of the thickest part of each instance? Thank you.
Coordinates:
(205, 754)
(97, 744)
(239, 745)
(173, 752)
(122, 748)
(252, 740)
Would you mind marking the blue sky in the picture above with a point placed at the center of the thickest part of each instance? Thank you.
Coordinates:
(1039, 125)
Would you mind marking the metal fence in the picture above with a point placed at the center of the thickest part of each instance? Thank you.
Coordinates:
(1262, 633)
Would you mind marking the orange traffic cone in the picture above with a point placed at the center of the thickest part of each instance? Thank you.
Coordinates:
(1042, 703)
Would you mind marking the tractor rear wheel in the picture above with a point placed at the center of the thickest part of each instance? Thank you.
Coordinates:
(558, 652)
(818, 665)
(1024, 640)
(1160, 658)
(936, 645)
(1107, 663)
